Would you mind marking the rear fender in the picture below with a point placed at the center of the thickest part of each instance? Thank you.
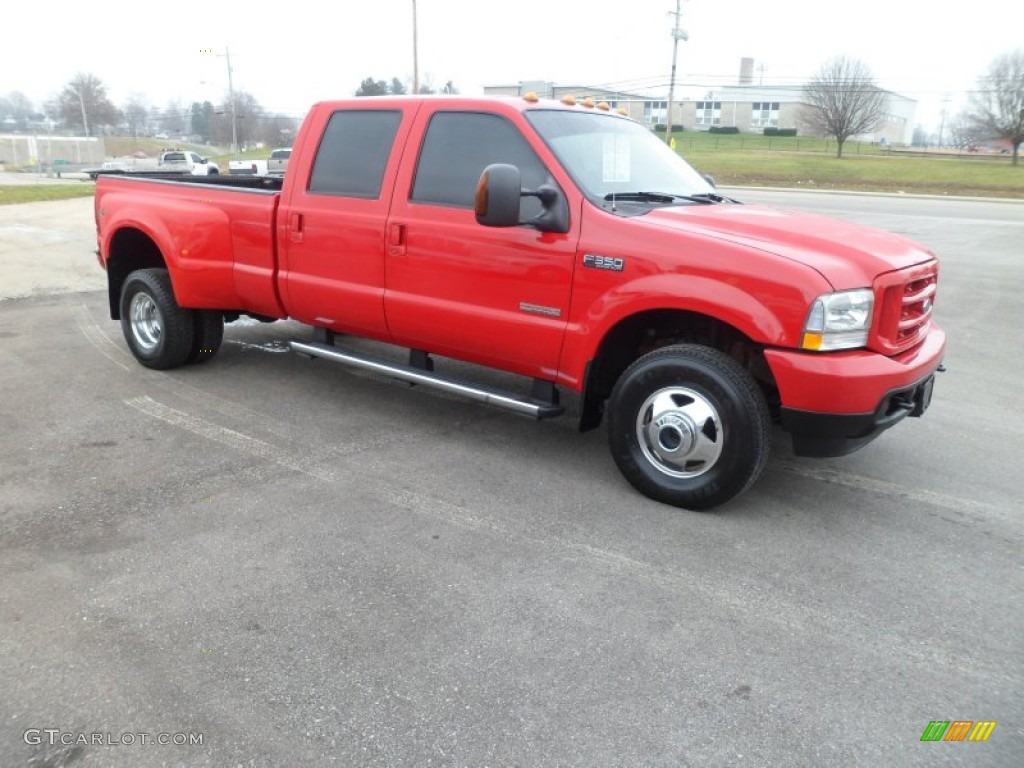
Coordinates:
(194, 241)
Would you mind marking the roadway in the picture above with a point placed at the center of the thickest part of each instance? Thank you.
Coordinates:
(308, 566)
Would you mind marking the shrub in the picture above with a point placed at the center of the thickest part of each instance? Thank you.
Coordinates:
(780, 131)
(723, 129)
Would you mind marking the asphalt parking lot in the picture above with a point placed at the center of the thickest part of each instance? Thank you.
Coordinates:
(299, 565)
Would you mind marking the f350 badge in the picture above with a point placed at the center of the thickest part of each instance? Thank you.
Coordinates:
(611, 263)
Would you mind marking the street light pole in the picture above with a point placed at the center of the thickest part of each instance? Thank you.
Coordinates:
(234, 109)
(81, 102)
(415, 54)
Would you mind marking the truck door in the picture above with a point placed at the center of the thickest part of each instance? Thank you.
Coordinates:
(331, 225)
(497, 297)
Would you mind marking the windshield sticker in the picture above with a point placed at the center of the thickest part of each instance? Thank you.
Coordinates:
(616, 158)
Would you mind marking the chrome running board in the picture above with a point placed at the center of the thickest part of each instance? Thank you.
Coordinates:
(511, 402)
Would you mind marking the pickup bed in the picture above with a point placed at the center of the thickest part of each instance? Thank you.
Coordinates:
(558, 241)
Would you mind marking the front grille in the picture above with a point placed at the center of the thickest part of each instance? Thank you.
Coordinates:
(907, 299)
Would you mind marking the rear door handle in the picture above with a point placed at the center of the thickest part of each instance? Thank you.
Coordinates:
(396, 240)
(295, 224)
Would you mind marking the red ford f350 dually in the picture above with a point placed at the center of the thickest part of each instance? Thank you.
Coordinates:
(561, 242)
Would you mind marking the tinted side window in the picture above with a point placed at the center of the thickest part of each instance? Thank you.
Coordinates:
(457, 148)
(354, 152)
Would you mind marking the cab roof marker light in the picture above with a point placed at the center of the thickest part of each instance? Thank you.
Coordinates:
(623, 111)
(531, 97)
(588, 103)
(569, 100)
(603, 106)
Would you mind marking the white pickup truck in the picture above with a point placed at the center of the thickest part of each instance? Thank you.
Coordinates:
(278, 161)
(184, 161)
(247, 167)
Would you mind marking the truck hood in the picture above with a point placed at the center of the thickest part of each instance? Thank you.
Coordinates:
(847, 255)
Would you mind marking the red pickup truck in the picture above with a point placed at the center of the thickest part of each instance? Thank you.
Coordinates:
(558, 241)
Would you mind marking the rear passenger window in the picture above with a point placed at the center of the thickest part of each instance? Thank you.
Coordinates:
(354, 152)
(457, 148)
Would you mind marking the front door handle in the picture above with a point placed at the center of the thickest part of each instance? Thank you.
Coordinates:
(396, 240)
(295, 224)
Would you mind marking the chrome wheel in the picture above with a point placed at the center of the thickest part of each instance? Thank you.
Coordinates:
(159, 332)
(146, 321)
(680, 432)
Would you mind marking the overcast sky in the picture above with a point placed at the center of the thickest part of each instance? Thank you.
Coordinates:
(293, 53)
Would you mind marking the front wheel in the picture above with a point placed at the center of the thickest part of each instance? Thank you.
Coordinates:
(158, 331)
(688, 426)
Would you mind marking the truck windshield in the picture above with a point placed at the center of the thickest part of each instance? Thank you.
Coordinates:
(608, 156)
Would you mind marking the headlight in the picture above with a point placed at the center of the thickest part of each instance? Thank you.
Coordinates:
(839, 321)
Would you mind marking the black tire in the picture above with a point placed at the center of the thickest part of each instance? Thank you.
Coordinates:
(158, 331)
(207, 334)
(688, 426)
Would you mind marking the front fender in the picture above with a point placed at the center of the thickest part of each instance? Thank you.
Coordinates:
(769, 315)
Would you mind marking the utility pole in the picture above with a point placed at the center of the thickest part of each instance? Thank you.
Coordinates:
(415, 54)
(942, 125)
(677, 35)
(81, 102)
(234, 108)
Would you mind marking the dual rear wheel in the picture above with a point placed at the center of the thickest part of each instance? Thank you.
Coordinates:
(161, 334)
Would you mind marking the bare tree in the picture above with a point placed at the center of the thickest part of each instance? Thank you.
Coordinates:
(843, 100)
(963, 133)
(275, 129)
(427, 85)
(135, 113)
(15, 111)
(247, 114)
(173, 118)
(997, 107)
(84, 102)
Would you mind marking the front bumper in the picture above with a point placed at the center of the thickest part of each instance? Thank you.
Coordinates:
(834, 404)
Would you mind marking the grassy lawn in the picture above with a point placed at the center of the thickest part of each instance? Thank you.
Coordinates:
(734, 160)
(810, 163)
(252, 154)
(934, 176)
(33, 193)
(123, 146)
